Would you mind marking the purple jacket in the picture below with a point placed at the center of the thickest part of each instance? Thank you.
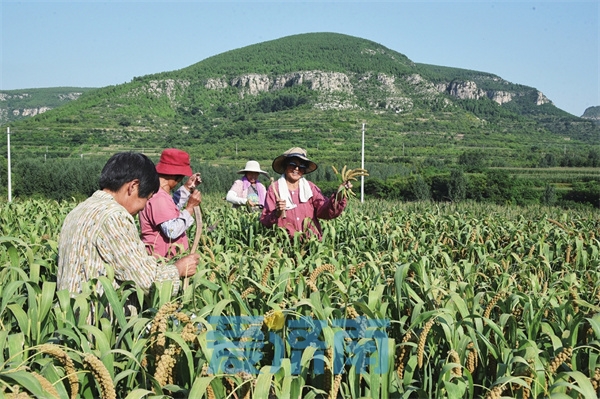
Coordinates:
(238, 193)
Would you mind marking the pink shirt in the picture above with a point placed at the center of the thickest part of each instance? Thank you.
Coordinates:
(159, 209)
(317, 207)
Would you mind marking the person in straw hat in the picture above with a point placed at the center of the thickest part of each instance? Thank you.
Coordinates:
(295, 203)
(248, 190)
(162, 221)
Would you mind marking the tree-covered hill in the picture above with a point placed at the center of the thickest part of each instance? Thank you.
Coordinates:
(312, 51)
(25, 103)
(592, 113)
(314, 90)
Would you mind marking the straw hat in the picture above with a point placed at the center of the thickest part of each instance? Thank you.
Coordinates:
(252, 166)
(280, 163)
(174, 162)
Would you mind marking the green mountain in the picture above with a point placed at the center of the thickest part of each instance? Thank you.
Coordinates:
(25, 103)
(312, 90)
(592, 113)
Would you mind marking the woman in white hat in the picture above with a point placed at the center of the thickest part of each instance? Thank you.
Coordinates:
(248, 190)
(295, 203)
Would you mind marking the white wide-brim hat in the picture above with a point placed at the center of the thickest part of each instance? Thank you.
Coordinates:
(252, 166)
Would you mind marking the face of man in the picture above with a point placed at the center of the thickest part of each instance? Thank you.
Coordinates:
(131, 200)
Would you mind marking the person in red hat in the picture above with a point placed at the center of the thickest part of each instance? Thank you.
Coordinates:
(162, 221)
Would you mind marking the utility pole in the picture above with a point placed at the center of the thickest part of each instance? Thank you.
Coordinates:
(362, 165)
(9, 177)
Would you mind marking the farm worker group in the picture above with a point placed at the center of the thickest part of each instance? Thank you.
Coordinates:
(100, 238)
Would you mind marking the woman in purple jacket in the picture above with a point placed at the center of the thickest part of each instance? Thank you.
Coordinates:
(295, 203)
(248, 190)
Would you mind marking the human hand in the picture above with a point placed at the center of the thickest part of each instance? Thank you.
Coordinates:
(343, 190)
(187, 265)
(194, 199)
(280, 205)
(193, 181)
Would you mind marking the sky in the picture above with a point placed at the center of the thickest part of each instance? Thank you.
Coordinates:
(550, 45)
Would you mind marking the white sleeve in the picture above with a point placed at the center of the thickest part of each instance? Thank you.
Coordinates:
(176, 227)
(181, 196)
(233, 195)
(234, 199)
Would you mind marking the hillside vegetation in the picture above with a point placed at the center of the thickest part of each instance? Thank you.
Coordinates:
(25, 103)
(316, 90)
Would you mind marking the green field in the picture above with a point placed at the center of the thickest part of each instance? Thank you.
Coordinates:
(555, 174)
(459, 300)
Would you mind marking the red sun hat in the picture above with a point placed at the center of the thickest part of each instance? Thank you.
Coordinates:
(174, 162)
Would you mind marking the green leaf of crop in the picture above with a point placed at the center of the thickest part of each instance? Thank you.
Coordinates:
(262, 386)
(27, 381)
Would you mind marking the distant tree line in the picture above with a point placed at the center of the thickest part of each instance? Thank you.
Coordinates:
(476, 160)
(470, 179)
(493, 185)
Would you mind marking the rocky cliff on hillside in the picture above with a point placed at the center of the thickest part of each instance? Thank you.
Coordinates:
(328, 83)
(468, 90)
(8, 114)
(157, 88)
(254, 84)
(17, 104)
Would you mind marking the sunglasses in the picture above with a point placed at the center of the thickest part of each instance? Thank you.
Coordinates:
(294, 165)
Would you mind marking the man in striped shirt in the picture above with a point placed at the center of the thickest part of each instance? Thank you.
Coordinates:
(100, 237)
